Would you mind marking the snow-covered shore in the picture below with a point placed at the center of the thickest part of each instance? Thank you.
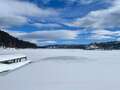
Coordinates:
(65, 69)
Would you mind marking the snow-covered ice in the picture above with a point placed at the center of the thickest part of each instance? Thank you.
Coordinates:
(64, 69)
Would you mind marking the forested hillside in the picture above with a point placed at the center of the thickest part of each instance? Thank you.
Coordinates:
(6, 41)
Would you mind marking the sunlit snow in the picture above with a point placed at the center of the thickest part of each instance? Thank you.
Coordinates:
(64, 69)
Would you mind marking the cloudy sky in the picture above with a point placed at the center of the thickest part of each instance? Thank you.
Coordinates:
(61, 21)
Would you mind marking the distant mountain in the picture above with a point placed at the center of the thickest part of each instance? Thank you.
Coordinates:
(113, 45)
(64, 46)
(6, 40)
(105, 45)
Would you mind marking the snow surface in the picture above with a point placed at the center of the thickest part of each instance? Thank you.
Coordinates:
(65, 69)
(10, 67)
(4, 57)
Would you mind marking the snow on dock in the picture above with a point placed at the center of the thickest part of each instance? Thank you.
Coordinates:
(10, 57)
(12, 61)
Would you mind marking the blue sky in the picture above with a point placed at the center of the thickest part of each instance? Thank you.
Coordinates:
(61, 21)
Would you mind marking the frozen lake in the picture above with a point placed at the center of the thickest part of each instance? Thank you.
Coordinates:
(65, 69)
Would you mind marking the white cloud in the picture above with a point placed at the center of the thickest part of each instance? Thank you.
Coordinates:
(42, 43)
(118, 39)
(13, 12)
(48, 36)
(51, 35)
(101, 34)
(14, 33)
(87, 1)
(105, 18)
(50, 42)
(82, 1)
(100, 37)
(47, 25)
(99, 20)
(104, 34)
(7, 21)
